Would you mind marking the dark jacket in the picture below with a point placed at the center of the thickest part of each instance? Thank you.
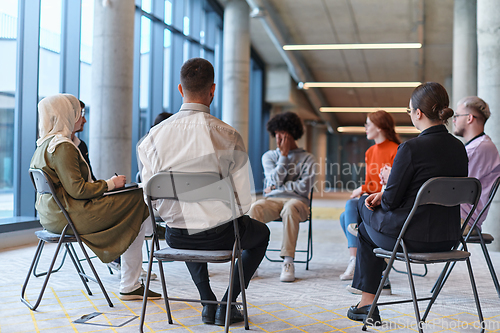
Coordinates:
(434, 153)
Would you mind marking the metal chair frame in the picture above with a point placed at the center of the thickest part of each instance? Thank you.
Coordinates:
(443, 191)
(309, 250)
(480, 238)
(44, 185)
(193, 187)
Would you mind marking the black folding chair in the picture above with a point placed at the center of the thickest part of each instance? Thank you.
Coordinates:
(44, 185)
(443, 191)
(481, 238)
(193, 187)
(309, 250)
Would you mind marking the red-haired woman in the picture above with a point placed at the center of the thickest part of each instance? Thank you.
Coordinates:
(380, 128)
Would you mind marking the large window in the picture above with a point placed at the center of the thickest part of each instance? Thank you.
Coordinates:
(50, 48)
(171, 32)
(8, 45)
(46, 48)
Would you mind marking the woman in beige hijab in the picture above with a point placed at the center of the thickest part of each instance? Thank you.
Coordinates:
(109, 225)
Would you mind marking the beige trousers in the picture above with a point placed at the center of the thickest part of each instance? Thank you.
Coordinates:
(291, 211)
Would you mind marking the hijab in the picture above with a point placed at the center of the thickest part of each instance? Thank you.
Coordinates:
(57, 116)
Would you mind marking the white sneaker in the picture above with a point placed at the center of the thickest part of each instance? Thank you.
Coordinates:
(349, 271)
(287, 272)
(255, 274)
(144, 275)
(353, 229)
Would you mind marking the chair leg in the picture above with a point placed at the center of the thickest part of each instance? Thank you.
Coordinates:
(98, 280)
(413, 294)
(490, 266)
(476, 296)
(146, 288)
(243, 291)
(49, 271)
(438, 286)
(38, 258)
(78, 260)
(81, 274)
(309, 245)
(227, 322)
(165, 294)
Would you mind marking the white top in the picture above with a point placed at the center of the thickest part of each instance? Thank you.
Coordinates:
(192, 140)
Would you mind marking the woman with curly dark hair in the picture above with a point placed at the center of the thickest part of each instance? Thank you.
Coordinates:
(289, 178)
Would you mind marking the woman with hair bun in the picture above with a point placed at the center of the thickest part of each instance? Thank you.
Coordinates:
(434, 153)
(380, 128)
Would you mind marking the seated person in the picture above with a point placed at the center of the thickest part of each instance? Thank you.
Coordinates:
(380, 128)
(192, 140)
(434, 153)
(109, 225)
(484, 161)
(289, 177)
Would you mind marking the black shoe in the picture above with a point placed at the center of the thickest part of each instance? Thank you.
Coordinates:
(361, 314)
(208, 313)
(220, 316)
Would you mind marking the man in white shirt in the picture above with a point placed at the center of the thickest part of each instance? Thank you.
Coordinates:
(192, 140)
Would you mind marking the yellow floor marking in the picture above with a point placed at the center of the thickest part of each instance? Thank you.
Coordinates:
(145, 324)
(62, 307)
(34, 321)
(326, 213)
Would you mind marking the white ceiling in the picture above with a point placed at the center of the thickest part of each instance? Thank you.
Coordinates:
(429, 22)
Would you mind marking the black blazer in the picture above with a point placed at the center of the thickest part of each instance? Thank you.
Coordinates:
(434, 153)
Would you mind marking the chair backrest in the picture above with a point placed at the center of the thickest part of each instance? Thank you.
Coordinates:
(190, 187)
(493, 191)
(446, 191)
(41, 181)
(43, 185)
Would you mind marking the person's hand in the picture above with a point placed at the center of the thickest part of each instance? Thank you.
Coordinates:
(384, 174)
(268, 189)
(284, 142)
(373, 200)
(356, 193)
(119, 181)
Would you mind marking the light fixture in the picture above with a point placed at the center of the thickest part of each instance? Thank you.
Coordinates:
(362, 109)
(307, 85)
(378, 46)
(361, 129)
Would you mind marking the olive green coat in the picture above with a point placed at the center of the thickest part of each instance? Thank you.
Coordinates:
(107, 224)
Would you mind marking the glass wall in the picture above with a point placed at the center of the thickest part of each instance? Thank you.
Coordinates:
(49, 48)
(8, 45)
(46, 48)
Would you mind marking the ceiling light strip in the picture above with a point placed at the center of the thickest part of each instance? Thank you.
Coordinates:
(379, 46)
(361, 129)
(307, 85)
(361, 109)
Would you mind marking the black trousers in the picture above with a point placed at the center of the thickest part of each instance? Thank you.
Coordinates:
(254, 236)
(369, 267)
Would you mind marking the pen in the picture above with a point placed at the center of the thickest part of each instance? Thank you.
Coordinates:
(116, 174)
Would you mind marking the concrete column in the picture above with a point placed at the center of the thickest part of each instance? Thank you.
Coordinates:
(464, 50)
(236, 70)
(110, 123)
(488, 78)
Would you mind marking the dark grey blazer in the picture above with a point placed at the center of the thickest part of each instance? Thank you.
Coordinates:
(434, 153)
